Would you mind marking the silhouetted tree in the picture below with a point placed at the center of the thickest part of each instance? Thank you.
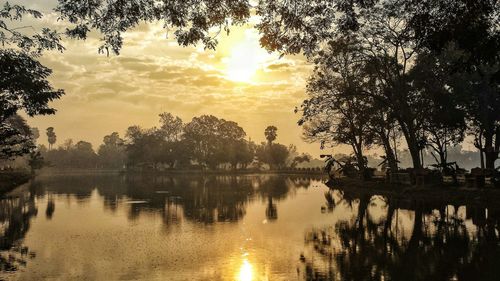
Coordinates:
(51, 137)
(36, 161)
(275, 155)
(24, 85)
(144, 147)
(16, 137)
(35, 133)
(271, 132)
(300, 159)
(170, 127)
(209, 137)
(193, 22)
(470, 28)
(239, 152)
(112, 151)
(391, 35)
(71, 155)
(23, 80)
(444, 121)
(84, 155)
(337, 111)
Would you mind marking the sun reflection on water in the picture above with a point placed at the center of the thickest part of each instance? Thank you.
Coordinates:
(246, 271)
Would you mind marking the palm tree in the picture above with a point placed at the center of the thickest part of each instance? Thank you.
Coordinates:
(51, 137)
(271, 134)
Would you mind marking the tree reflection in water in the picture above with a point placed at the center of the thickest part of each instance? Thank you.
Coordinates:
(210, 199)
(204, 199)
(372, 245)
(15, 217)
(377, 238)
(200, 199)
(273, 189)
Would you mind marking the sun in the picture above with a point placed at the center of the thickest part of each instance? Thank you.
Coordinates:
(242, 64)
(245, 59)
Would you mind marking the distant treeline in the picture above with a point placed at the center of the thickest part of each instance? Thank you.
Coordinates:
(207, 142)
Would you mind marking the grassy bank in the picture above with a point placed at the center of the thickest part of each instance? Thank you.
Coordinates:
(12, 179)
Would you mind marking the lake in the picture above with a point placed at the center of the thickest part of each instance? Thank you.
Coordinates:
(249, 227)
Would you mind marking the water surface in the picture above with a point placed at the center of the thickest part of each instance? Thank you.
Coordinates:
(237, 228)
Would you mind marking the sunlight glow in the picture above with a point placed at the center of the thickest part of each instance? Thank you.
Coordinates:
(245, 59)
(246, 271)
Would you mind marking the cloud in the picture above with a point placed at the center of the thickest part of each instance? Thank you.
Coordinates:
(278, 66)
(154, 74)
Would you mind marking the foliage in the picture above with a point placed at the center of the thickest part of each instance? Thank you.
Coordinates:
(23, 86)
(469, 31)
(207, 142)
(337, 111)
(23, 80)
(444, 121)
(28, 44)
(275, 155)
(209, 137)
(271, 133)
(191, 21)
(16, 138)
(144, 146)
(430, 68)
(424, 70)
(171, 126)
(300, 159)
(70, 155)
(51, 136)
(112, 152)
(36, 161)
(240, 152)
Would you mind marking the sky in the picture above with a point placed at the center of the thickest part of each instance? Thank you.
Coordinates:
(239, 81)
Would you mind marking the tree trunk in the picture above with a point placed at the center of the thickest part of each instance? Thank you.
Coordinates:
(479, 146)
(363, 206)
(388, 219)
(490, 153)
(417, 233)
(411, 141)
(358, 152)
(442, 159)
(389, 153)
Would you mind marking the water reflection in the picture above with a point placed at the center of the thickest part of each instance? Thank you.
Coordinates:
(203, 199)
(397, 238)
(51, 206)
(240, 228)
(246, 271)
(197, 200)
(15, 218)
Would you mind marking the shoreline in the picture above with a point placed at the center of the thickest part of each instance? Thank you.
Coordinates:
(53, 171)
(429, 194)
(10, 180)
